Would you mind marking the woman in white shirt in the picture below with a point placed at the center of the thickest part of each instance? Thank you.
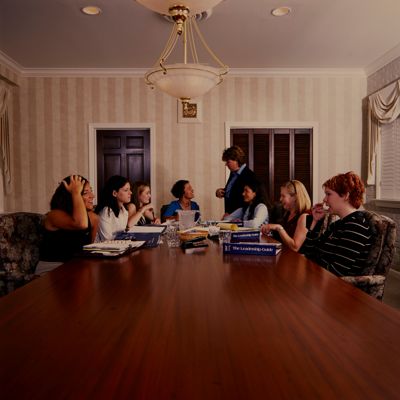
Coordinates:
(112, 209)
(255, 212)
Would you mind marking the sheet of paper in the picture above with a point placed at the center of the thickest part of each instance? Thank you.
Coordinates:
(146, 229)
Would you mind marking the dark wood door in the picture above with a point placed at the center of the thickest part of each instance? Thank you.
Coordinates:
(123, 152)
(277, 155)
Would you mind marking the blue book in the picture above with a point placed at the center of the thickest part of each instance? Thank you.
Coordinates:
(245, 236)
(259, 249)
(152, 239)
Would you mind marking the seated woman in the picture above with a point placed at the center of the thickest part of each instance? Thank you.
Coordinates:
(343, 248)
(255, 212)
(141, 209)
(291, 230)
(184, 192)
(112, 208)
(70, 224)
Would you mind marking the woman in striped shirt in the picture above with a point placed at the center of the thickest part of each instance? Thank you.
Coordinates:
(343, 249)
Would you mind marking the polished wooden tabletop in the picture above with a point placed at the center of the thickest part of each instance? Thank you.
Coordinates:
(161, 324)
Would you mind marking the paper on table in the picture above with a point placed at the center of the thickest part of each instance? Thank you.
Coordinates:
(113, 245)
(147, 229)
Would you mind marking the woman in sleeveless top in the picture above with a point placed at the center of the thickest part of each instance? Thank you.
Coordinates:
(292, 230)
(71, 222)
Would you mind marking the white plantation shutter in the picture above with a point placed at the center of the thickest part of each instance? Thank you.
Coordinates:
(390, 161)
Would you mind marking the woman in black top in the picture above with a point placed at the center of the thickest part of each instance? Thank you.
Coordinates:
(291, 228)
(71, 222)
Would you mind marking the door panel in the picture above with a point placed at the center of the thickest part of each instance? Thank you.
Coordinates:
(123, 152)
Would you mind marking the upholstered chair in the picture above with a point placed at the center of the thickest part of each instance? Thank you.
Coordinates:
(380, 256)
(162, 211)
(20, 235)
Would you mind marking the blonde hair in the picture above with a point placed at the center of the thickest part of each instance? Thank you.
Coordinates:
(296, 188)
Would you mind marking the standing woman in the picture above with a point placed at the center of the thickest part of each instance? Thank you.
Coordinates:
(112, 207)
(234, 158)
(184, 192)
(255, 211)
(292, 229)
(70, 224)
(141, 209)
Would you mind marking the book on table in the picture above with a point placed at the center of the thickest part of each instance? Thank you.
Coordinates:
(260, 249)
(151, 234)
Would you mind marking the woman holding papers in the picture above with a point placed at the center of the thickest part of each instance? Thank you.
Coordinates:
(255, 211)
(291, 230)
(70, 224)
(141, 209)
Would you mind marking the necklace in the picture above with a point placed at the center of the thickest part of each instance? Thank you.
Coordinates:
(186, 206)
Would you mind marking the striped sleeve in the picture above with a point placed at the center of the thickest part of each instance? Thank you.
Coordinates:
(344, 247)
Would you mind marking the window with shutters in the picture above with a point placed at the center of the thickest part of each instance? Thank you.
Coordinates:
(277, 155)
(389, 171)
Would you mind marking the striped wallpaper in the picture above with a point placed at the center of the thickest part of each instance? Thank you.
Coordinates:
(51, 117)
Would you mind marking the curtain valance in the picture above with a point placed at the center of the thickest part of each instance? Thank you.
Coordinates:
(383, 108)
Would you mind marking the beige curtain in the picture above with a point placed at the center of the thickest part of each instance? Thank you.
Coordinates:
(5, 154)
(383, 108)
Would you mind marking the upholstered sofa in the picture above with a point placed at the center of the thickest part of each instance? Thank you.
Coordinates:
(20, 236)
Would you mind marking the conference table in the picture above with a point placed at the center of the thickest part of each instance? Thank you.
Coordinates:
(162, 324)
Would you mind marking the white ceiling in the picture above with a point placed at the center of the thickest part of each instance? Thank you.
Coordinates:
(47, 34)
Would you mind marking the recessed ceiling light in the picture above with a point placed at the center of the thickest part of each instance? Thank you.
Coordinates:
(281, 11)
(91, 10)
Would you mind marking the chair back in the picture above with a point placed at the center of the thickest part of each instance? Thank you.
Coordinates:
(162, 211)
(383, 248)
(20, 237)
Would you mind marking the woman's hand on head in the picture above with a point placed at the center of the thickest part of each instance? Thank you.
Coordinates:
(75, 185)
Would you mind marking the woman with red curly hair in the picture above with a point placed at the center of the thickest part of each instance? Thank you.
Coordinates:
(343, 249)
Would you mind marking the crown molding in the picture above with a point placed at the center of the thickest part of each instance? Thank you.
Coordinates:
(382, 61)
(266, 72)
(10, 63)
(140, 72)
(83, 72)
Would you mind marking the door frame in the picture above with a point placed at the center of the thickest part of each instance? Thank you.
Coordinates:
(94, 127)
(317, 190)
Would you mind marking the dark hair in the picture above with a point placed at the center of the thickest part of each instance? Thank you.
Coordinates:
(349, 183)
(62, 199)
(138, 188)
(234, 153)
(178, 189)
(261, 197)
(107, 199)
